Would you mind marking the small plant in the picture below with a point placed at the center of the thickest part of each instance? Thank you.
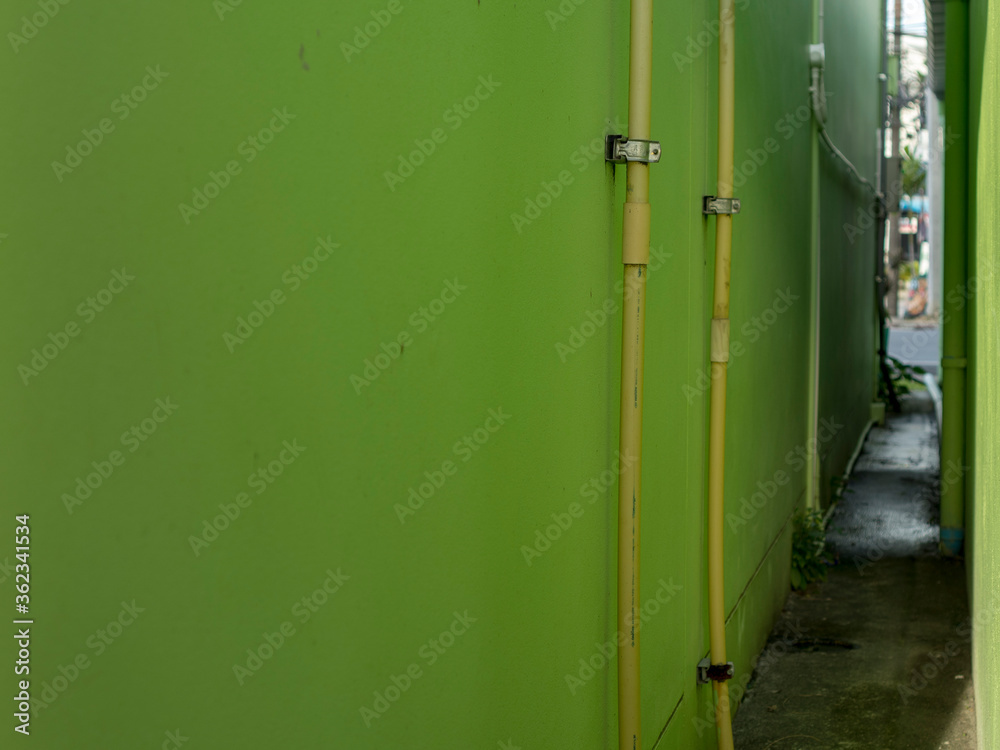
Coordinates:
(838, 484)
(905, 378)
(808, 541)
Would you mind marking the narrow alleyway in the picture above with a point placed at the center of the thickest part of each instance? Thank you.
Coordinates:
(878, 656)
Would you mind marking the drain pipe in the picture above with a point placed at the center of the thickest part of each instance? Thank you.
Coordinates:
(724, 206)
(638, 152)
(953, 343)
(816, 61)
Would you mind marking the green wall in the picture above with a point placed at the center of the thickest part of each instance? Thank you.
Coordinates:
(983, 295)
(848, 319)
(397, 311)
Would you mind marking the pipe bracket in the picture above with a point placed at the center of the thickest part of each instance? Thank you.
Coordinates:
(956, 362)
(708, 672)
(713, 205)
(619, 149)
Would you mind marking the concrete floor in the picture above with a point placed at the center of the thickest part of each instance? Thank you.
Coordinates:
(878, 656)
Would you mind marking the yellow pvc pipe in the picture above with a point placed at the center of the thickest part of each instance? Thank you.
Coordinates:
(635, 256)
(720, 359)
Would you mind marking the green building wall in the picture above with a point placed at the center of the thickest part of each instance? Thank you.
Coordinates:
(982, 293)
(380, 309)
(848, 318)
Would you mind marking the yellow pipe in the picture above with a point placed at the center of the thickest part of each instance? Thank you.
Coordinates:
(635, 256)
(720, 358)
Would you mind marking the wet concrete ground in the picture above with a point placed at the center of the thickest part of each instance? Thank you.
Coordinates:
(878, 656)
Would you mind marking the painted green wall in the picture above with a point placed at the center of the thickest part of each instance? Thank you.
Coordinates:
(848, 320)
(501, 307)
(983, 293)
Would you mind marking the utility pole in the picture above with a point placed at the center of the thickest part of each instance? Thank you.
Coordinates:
(895, 177)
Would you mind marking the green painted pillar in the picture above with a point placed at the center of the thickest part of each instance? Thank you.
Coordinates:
(956, 201)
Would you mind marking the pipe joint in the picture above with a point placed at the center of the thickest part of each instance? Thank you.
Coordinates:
(720, 340)
(635, 234)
